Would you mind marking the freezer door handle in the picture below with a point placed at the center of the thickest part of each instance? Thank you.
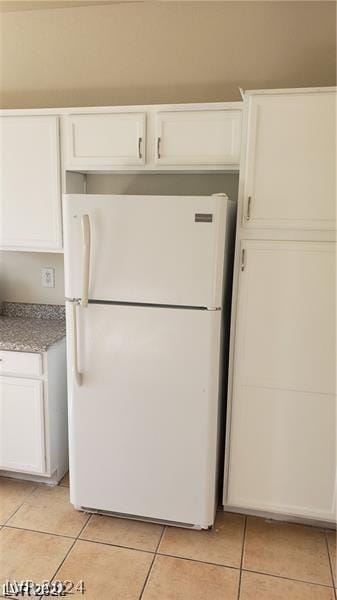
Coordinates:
(85, 222)
(76, 372)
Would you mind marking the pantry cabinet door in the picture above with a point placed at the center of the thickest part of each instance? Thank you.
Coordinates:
(198, 137)
(283, 423)
(22, 441)
(105, 140)
(290, 166)
(30, 192)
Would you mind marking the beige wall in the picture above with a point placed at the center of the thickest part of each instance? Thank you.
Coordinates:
(147, 53)
(173, 184)
(20, 278)
(152, 52)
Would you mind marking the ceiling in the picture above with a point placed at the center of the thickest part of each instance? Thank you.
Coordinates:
(18, 5)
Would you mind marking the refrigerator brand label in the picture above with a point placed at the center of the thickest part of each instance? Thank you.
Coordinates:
(203, 218)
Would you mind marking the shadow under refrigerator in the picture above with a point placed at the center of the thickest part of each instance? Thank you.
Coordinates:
(145, 281)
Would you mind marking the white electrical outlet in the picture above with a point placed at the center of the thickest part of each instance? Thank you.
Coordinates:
(48, 277)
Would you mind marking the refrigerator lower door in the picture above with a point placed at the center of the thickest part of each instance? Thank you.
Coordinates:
(143, 421)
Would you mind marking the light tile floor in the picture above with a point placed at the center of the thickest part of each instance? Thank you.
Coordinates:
(43, 537)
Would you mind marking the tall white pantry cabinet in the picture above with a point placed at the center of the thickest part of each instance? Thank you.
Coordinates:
(281, 421)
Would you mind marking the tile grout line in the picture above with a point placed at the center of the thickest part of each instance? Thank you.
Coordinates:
(68, 551)
(62, 535)
(203, 562)
(78, 538)
(330, 563)
(157, 553)
(20, 506)
(242, 553)
(152, 563)
(116, 545)
(325, 585)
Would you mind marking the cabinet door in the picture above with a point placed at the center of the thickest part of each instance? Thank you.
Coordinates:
(30, 196)
(198, 137)
(105, 140)
(283, 430)
(22, 440)
(290, 179)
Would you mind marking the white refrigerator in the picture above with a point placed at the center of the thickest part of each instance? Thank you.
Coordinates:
(145, 281)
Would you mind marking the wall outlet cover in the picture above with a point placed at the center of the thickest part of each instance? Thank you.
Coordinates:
(48, 277)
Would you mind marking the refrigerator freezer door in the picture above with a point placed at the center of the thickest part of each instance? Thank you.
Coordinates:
(143, 423)
(146, 249)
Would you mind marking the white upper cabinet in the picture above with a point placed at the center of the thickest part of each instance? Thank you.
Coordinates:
(30, 189)
(177, 138)
(105, 140)
(198, 137)
(290, 163)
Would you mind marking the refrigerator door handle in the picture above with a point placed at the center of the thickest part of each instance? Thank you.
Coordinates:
(85, 222)
(77, 374)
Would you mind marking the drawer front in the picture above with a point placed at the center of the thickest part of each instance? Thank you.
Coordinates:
(21, 363)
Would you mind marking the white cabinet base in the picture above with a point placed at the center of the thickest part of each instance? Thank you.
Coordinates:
(22, 441)
(282, 447)
(277, 516)
(33, 415)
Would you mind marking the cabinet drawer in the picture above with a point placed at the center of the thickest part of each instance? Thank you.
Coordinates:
(21, 363)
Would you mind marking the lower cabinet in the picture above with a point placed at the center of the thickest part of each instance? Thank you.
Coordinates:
(22, 443)
(33, 414)
(282, 455)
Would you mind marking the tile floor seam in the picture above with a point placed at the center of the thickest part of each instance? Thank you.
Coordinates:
(67, 554)
(330, 562)
(203, 562)
(52, 534)
(329, 587)
(90, 515)
(242, 552)
(63, 535)
(115, 545)
(160, 539)
(71, 547)
(18, 508)
(151, 565)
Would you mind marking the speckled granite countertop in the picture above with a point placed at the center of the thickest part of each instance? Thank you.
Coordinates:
(30, 327)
